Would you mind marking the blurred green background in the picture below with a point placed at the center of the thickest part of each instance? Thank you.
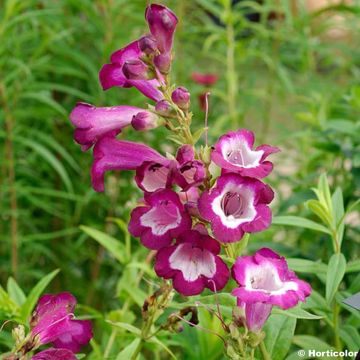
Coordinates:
(287, 73)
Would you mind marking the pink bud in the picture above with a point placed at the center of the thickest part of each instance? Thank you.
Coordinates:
(147, 44)
(163, 62)
(181, 97)
(145, 120)
(135, 70)
(164, 108)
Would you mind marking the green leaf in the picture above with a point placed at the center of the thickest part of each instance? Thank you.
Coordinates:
(351, 337)
(279, 330)
(299, 222)
(34, 295)
(129, 350)
(297, 312)
(353, 266)
(320, 211)
(307, 342)
(131, 328)
(334, 276)
(338, 214)
(306, 266)
(325, 195)
(114, 246)
(15, 292)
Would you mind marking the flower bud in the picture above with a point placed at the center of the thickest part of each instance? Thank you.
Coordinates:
(135, 70)
(163, 62)
(164, 108)
(145, 121)
(147, 44)
(181, 97)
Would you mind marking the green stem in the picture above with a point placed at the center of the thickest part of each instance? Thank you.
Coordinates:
(264, 352)
(110, 344)
(337, 341)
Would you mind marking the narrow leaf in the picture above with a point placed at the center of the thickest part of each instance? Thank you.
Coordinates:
(335, 273)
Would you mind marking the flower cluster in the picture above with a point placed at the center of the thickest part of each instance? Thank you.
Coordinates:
(197, 199)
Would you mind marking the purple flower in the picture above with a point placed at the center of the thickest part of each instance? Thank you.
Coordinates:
(113, 154)
(193, 264)
(53, 321)
(190, 172)
(54, 354)
(147, 44)
(181, 97)
(151, 176)
(145, 120)
(136, 70)
(254, 314)
(113, 75)
(190, 199)
(92, 123)
(162, 219)
(162, 23)
(233, 152)
(265, 278)
(236, 205)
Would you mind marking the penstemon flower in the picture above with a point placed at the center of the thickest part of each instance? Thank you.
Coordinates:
(235, 206)
(265, 278)
(92, 123)
(162, 219)
(193, 264)
(233, 152)
(53, 322)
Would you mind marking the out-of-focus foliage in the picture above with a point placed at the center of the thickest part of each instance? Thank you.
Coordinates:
(284, 76)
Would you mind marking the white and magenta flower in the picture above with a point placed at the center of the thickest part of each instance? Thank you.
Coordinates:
(162, 219)
(93, 123)
(266, 278)
(235, 206)
(113, 75)
(190, 172)
(112, 154)
(54, 354)
(193, 264)
(234, 152)
(53, 322)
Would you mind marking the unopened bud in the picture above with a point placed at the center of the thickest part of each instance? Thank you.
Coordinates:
(145, 120)
(136, 70)
(164, 108)
(181, 97)
(163, 62)
(147, 44)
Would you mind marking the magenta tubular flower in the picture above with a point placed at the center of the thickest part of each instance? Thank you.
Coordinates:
(54, 354)
(161, 220)
(265, 278)
(255, 314)
(113, 75)
(93, 123)
(145, 120)
(190, 200)
(152, 176)
(79, 334)
(52, 321)
(147, 44)
(162, 24)
(233, 152)
(113, 154)
(204, 79)
(190, 172)
(236, 205)
(136, 70)
(181, 97)
(193, 264)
